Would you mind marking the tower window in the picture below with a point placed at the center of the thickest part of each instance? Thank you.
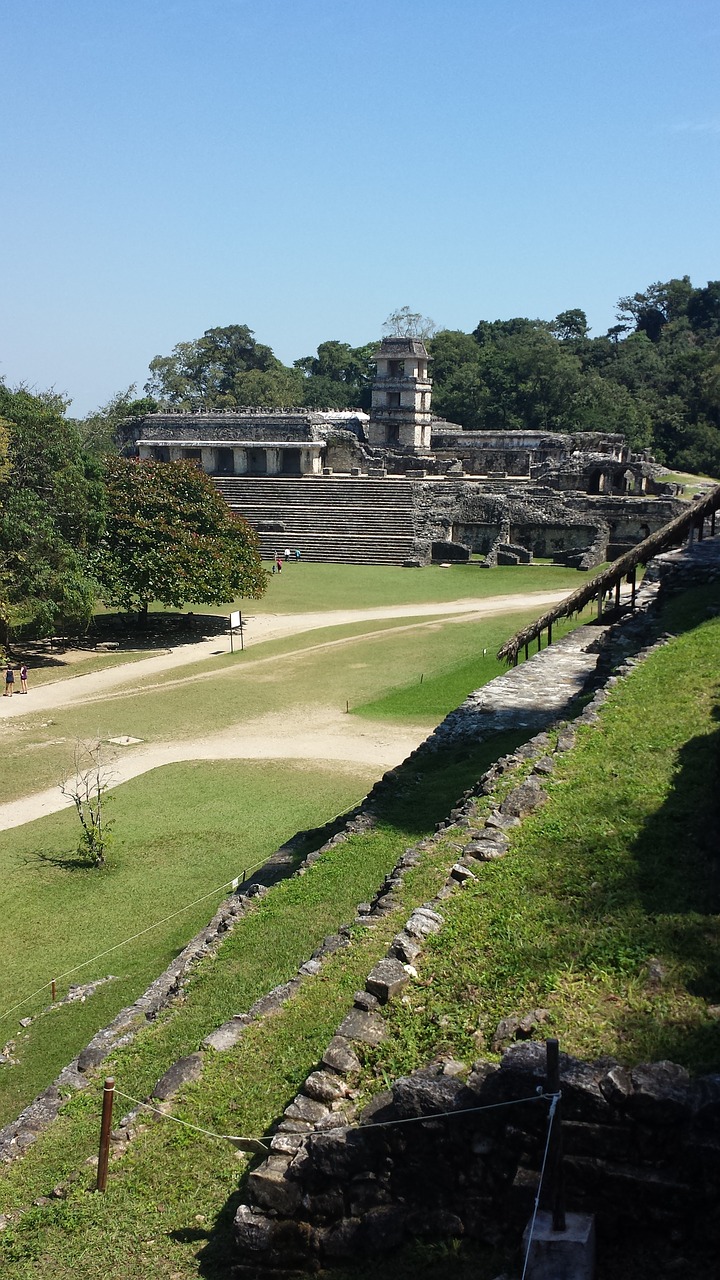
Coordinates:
(393, 399)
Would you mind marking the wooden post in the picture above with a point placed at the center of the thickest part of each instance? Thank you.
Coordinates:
(105, 1128)
(549, 633)
(600, 604)
(557, 1187)
(712, 524)
(539, 640)
(242, 637)
(617, 594)
(527, 650)
(701, 528)
(53, 989)
(633, 587)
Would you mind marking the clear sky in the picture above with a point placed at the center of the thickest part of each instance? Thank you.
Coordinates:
(307, 166)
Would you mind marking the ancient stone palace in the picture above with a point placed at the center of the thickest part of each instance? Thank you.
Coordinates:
(400, 486)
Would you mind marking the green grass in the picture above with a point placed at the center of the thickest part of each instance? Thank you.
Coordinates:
(616, 871)
(171, 1180)
(357, 664)
(613, 871)
(692, 484)
(182, 831)
(307, 587)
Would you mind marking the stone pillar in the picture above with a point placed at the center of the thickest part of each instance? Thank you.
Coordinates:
(240, 462)
(274, 459)
(207, 460)
(177, 453)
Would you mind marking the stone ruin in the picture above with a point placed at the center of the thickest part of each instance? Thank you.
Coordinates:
(504, 495)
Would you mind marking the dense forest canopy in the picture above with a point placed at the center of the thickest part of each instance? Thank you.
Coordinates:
(653, 377)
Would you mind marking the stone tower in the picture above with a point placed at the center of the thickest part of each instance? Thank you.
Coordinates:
(400, 413)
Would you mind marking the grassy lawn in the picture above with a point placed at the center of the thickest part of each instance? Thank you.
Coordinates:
(296, 676)
(616, 870)
(181, 831)
(302, 588)
(692, 484)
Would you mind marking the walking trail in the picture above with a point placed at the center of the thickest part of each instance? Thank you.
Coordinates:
(316, 733)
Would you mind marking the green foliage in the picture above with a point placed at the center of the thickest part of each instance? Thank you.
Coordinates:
(224, 368)
(51, 514)
(105, 430)
(339, 377)
(170, 537)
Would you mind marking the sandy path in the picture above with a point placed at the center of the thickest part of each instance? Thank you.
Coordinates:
(315, 732)
(74, 690)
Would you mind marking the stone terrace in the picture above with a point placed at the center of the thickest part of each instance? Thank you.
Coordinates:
(330, 519)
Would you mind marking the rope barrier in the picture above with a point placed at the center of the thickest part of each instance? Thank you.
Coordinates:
(242, 1144)
(236, 880)
(260, 1146)
(555, 1097)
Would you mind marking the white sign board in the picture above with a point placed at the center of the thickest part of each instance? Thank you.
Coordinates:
(235, 619)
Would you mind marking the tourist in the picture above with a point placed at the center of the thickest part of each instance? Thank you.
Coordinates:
(297, 554)
(287, 554)
(278, 562)
(9, 682)
(23, 678)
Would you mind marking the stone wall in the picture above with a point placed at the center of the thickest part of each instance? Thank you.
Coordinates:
(641, 1147)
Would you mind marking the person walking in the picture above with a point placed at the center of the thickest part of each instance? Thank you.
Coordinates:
(9, 681)
(23, 678)
(297, 554)
(278, 562)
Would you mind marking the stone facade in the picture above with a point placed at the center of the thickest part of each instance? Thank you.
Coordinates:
(577, 499)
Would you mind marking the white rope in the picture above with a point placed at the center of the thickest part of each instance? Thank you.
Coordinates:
(243, 1144)
(555, 1098)
(260, 1145)
(116, 947)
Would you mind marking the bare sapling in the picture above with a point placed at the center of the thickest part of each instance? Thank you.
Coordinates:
(87, 786)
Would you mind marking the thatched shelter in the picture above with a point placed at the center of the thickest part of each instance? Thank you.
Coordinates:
(609, 580)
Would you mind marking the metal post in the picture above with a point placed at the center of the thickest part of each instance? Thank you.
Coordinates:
(231, 641)
(242, 637)
(105, 1127)
(555, 1155)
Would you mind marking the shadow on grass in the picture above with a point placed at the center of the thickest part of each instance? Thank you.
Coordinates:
(66, 862)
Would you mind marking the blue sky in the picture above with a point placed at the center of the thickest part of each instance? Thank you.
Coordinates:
(307, 166)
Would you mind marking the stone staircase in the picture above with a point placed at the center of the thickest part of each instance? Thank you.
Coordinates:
(332, 519)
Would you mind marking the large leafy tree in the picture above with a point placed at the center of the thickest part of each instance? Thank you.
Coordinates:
(51, 515)
(339, 376)
(223, 369)
(170, 537)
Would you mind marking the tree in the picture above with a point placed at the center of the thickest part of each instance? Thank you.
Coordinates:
(171, 537)
(86, 787)
(570, 326)
(51, 515)
(106, 430)
(338, 377)
(405, 323)
(224, 368)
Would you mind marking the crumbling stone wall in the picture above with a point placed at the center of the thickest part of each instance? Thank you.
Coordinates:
(641, 1143)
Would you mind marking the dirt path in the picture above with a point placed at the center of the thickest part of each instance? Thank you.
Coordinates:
(75, 690)
(314, 733)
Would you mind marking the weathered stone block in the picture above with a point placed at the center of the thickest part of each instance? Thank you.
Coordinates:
(325, 1086)
(368, 1028)
(303, 1108)
(386, 979)
(180, 1073)
(271, 1188)
(341, 1056)
(524, 799)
